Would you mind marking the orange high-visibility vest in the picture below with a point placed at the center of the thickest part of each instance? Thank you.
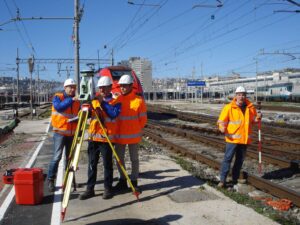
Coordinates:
(132, 119)
(110, 125)
(238, 125)
(60, 119)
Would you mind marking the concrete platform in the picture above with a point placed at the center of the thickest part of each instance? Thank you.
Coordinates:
(170, 196)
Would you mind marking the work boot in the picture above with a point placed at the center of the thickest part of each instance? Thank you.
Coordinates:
(135, 185)
(120, 186)
(107, 194)
(51, 185)
(87, 194)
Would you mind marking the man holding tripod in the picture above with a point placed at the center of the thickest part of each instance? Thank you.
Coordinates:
(97, 140)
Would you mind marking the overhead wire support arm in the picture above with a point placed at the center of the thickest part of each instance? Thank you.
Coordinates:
(35, 18)
(219, 5)
(280, 53)
(142, 4)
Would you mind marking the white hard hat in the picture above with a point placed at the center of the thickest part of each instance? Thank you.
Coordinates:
(69, 82)
(126, 79)
(240, 89)
(104, 81)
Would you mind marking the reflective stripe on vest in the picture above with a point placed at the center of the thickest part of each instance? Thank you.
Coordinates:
(70, 116)
(133, 117)
(128, 117)
(128, 136)
(236, 136)
(106, 119)
(235, 122)
(222, 122)
(61, 131)
(100, 136)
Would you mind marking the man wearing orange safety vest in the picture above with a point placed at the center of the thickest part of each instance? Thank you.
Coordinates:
(65, 108)
(131, 121)
(97, 140)
(236, 121)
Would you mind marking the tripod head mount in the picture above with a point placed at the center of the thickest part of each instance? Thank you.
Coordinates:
(87, 86)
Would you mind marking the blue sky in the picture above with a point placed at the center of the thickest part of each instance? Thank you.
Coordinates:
(178, 36)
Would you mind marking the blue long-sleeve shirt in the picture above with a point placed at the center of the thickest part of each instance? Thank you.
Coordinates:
(111, 110)
(61, 106)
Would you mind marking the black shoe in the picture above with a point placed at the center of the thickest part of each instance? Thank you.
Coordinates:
(234, 182)
(51, 185)
(107, 194)
(121, 186)
(136, 187)
(87, 194)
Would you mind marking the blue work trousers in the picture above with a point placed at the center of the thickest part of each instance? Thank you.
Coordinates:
(60, 142)
(94, 150)
(239, 150)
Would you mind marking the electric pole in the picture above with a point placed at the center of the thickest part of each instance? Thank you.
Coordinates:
(256, 69)
(76, 40)
(18, 74)
(31, 66)
(112, 56)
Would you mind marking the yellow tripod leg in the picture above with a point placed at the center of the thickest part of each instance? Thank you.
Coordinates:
(134, 191)
(74, 142)
(74, 161)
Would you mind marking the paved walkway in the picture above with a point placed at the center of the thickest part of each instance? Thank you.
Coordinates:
(170, 196)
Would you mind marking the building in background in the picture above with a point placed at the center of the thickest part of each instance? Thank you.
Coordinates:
(143, 69)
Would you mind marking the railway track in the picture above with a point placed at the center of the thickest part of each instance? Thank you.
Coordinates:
(196, 136)
(190, 148)
(269, 129)
(281, 147)
(215, 141)
(23, 114)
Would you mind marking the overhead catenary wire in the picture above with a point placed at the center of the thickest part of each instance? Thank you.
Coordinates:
(136, 29)
(162, 61)
(121, 40)
(29, 45)
(205, 25)
(229, 41)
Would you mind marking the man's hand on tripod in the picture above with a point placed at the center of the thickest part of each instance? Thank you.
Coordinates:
(99, 98)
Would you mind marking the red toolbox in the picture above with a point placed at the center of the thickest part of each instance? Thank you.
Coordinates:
(29, 186)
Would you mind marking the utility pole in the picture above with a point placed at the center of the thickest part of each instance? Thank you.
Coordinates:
(202, 80)
(98, 59)
(38, 84)
(256, 79)
(18, 78)
(31, 66)
(112, 56)
(76, 40)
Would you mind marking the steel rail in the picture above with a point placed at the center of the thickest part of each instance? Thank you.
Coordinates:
(220, 145)
(257, 182)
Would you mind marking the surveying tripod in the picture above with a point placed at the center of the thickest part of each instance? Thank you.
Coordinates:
(74, 154)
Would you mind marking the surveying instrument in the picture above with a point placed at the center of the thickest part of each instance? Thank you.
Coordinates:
(87, 94)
